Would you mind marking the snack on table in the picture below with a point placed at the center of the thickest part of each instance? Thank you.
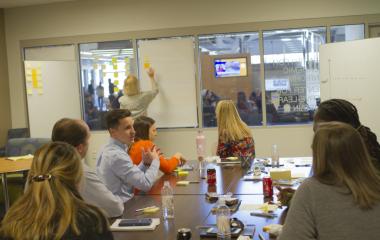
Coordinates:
(273, 229)
(231, 201)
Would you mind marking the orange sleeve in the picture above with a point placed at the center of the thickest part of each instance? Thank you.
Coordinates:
(167, 165)
(135, 150)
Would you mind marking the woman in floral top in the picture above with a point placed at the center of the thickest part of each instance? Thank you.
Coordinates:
(235, 138)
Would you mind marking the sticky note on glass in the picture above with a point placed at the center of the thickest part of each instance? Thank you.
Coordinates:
(116, 82)
(40, 91)
(116, 74)
(116, 89)
(126, 61)
(114, 60)
(104, 74)
(95, 66)
(146, 62)
(183, 173)
(29, 91)
(114, 66)
(34, 78)
(104, 66)
(183, 183)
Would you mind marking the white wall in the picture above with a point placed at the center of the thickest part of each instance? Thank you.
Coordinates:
(96, 16)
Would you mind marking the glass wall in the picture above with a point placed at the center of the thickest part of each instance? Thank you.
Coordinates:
(230, 69)
(104, 66)
(291, 62)
(346, 33)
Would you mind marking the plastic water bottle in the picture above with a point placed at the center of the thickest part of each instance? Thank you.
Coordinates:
(223, 220)
(201, 145)
(275, 156)
(167, 201)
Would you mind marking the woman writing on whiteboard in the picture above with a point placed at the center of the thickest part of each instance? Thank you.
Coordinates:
(134, 100)
(234, 136)
(146, 131)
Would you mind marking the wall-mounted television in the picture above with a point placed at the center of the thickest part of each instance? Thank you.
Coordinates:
(230, 67)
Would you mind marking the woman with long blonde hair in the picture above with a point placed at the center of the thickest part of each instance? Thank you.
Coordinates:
(51, 207)
(234, 136)
(134, 100)
(342, 198)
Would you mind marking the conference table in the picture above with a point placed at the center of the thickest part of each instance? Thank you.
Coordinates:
(194, 211)
(8, 166)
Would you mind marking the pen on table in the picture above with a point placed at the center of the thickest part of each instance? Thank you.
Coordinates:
(264, 171)
(194, 182)
(258, 214)
(261, 237)
(303, 165)
(142, 209)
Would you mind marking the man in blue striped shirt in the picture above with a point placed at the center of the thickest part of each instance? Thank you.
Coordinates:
(115, 167)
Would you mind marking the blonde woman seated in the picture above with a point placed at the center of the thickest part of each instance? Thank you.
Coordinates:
(342, 198)
(134, 100)
(146, 131)
(235, 138)
(51, 207)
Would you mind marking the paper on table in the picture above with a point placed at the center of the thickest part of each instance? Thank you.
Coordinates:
(115, 226)
(20, 157)
(182, 173)
(183, 183)
(252, 207)
(151, 210)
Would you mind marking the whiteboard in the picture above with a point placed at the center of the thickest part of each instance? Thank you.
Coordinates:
(56, 95)
(351, 71)
(174, 63)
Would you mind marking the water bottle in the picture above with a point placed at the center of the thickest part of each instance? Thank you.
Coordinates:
(275, 156)
(223, 220)
(167, 201)
(201, 145)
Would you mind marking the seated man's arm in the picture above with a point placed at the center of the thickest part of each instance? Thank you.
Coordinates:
(134, 175)
(95, 192)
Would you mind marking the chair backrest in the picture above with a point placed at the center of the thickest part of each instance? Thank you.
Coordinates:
(23, 146)
(18, 133)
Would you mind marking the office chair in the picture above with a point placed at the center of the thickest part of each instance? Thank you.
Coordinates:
(14, 133)
(19, 147)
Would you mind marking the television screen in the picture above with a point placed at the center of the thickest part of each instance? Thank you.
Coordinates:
(230, 67)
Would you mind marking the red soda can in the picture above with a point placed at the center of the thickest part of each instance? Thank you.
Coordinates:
(267, 187)
(211, 176)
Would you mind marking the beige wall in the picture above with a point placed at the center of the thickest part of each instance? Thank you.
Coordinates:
(5, 110)
(96, 16)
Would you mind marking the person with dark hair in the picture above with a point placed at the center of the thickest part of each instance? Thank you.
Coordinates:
(146, 131)
(242, 103)
(52, 207)
(343, 111)
(114, 165)
(77, 134)
(111, 87)
(100, 94)
(342, 198)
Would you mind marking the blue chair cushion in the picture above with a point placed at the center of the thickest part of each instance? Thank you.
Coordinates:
(23, 146)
